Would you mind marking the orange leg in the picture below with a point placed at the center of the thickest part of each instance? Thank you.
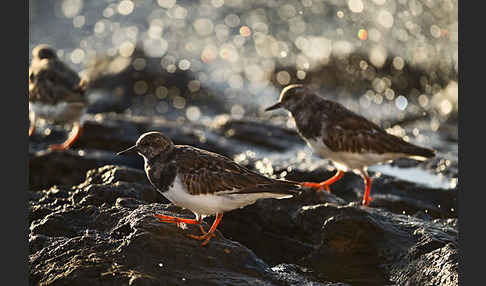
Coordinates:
(32, 119)
(179, 221)
(207, 237)
(75, 134)
(366, 197)
(324, 185)
(31, 129)
(176, 220)
(173, 219)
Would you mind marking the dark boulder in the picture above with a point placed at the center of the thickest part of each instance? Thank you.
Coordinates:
(102, 232)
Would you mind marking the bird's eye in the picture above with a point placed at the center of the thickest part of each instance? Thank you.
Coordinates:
(31, 77)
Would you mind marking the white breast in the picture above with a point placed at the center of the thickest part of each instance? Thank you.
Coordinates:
(346, 161)
(210, 204)
(62, 112)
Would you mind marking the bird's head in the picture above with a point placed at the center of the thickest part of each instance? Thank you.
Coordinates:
(151, 144)
(291, 96)
(43, 51)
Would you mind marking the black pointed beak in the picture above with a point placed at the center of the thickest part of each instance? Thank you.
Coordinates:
(133, 148)
(275, 106)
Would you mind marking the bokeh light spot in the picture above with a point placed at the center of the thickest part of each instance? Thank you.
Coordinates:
(140, 87)
(203, 26)
(209, 54)
(245, 31)
(77, 56)
(125, 7)
(184, 64)
(401, 102)
(161, 92)
(193, 113)
(232, 20)
(166, 3)
(378, 55)
(79, 21)
(301, 74)
(179, 102)
(283, 77)
(362, 34)
(356, 6)
(71, 8)
(194, 86)
(139, 64)
(435, 31)
(398, 63)
(385, 19)
(217, 3)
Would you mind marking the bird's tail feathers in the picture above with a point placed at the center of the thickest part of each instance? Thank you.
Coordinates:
(420, 153)
(285, 188)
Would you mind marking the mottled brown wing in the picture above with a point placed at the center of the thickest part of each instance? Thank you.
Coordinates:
(349, 132)
(51, 81)
(205, 172)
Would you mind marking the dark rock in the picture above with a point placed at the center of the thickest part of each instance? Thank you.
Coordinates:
(47, 168)
(370, 246)
(103, 242)
(102, 231)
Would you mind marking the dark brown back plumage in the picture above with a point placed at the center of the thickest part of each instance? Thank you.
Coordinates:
(52, 81)
(340, 128)
(205, 172)
(201, 171)
(349, 132)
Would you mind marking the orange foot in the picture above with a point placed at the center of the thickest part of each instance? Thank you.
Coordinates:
(318, 186)
(206, 235)
(75, 133)
(210, 234)
(324, 185)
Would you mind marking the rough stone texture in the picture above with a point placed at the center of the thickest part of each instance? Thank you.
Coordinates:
(102, 232)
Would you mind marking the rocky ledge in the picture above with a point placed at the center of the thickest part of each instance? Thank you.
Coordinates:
(93, 224)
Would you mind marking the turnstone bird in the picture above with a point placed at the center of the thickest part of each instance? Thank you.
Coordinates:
(56, 93)
(349, 140)
(204, 182)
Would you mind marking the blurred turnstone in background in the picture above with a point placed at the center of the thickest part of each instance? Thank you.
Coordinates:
(56, 94)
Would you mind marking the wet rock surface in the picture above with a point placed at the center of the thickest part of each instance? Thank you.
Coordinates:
(94, 223)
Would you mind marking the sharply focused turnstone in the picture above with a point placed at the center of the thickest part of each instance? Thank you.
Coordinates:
(204, 182)
(349, 140)
(56, 93)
